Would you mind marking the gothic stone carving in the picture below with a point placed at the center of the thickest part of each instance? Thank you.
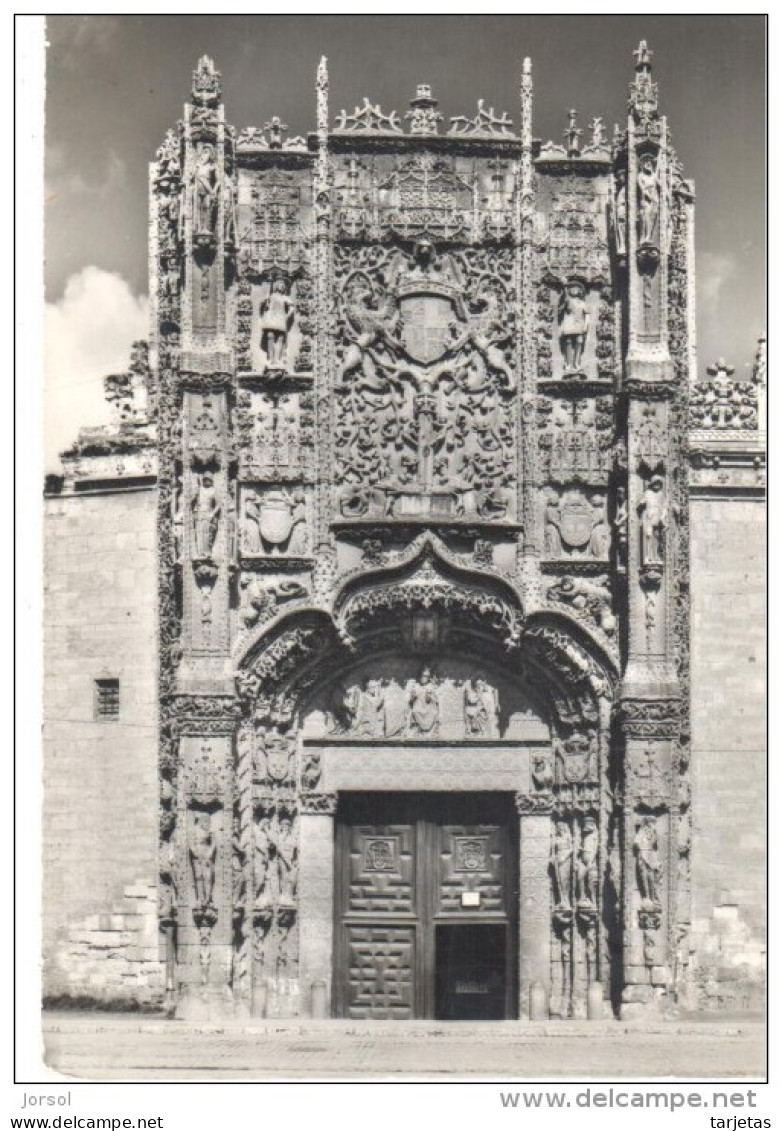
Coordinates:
(576, 524)
(423, 422)
(274, 523)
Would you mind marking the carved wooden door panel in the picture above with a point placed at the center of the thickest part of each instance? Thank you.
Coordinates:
(380, 920)
(409, 879)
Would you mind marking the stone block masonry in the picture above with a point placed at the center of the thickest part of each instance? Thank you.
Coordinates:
(729, 752)
(100, 776)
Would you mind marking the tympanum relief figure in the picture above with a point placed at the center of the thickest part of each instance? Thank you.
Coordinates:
(481, 710)
(426, 707)
(423, 711)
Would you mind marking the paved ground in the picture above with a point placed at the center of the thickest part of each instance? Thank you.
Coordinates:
(130, 1048)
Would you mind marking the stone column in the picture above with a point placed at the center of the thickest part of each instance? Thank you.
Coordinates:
(316, 895)
(652, 708)
(534, 896)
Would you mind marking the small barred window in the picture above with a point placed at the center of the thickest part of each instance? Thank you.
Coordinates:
(106, 698)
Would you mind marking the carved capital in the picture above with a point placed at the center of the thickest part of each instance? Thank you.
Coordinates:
(324, 804)
(533, 804)
(651, 718)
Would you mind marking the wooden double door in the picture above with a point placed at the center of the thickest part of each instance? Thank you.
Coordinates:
(426, 899)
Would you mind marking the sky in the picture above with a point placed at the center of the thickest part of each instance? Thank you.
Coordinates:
(114, 84)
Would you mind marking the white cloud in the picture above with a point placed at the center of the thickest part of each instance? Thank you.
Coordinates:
(88, 334)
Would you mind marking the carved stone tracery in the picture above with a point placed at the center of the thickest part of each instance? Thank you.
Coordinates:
(422, 396)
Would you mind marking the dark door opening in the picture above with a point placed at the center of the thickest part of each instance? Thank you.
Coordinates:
(470, 972)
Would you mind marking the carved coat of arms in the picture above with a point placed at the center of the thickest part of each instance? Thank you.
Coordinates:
(576, 519)
(275, 518)
(426, 326)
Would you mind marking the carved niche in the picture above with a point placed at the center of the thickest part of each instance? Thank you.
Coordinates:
(423, 418)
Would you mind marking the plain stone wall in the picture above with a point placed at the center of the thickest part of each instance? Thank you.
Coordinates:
(100, 777)
(729, 750)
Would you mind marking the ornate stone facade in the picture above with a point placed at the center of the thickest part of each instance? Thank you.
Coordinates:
(418, 400)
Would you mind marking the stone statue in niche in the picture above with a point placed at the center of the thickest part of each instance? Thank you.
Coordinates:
(574, 323)
(562, 864)
(554, 547)
(620, 529)
(237, 865)
(262, 848)
(653, 510)
(275, 523)
(586, 865)
(600, 538)
(620, 213)
(277, 312)
(648, 199)
(229, 221)
(169, 278)
(480, 709)
(206, 511)
(206, 606)
(286, 857)
(205, 191)
(203, 854)
(647, 862)
(423, 709)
